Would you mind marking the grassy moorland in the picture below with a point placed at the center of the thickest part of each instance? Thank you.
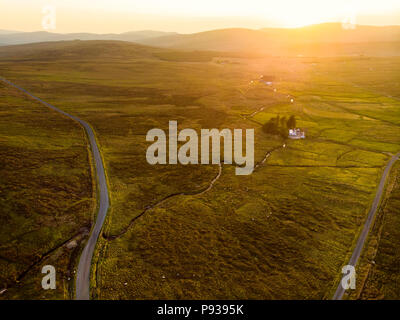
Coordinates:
(46, 196)
(282, 232)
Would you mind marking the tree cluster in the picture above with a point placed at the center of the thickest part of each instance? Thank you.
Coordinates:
(280, 126)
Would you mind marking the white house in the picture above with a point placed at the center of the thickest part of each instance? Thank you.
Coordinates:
(268, 80)
(296, 134)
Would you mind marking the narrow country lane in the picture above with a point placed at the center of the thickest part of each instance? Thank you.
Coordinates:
(368, 224)
(83, 273)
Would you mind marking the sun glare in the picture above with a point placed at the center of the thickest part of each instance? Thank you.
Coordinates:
(194, 16)
(298, 14)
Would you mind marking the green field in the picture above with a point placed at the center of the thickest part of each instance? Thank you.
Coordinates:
(283, 232)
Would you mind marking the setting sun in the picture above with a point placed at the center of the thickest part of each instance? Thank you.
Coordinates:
(193, 16)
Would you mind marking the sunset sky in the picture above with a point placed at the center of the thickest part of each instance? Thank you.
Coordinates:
(106, 16)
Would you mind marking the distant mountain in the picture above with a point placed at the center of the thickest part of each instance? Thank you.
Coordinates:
(7, 32)
(10, 38)
(329, 39)
(146, 34)
(322, 39)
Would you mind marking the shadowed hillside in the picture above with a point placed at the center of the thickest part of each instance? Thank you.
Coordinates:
(78, 49)
(104, 50)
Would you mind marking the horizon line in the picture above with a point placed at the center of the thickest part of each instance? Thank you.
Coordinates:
(208, 30)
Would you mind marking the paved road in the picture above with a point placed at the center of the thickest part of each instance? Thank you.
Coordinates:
(83, 274)
(368, 224)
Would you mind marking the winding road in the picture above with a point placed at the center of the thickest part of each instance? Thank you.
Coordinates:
(83, 273)
(368, 224)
